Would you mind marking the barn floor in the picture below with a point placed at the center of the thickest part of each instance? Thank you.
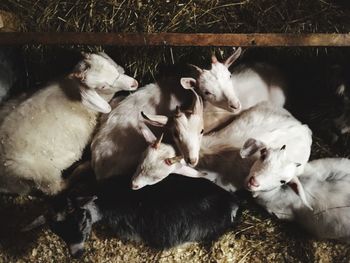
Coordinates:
(258, 237)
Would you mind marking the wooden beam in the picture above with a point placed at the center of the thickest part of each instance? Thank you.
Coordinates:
(176, 39)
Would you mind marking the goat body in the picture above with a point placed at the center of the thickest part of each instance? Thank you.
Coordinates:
(176, 211)
(325, 183)
(43, 134)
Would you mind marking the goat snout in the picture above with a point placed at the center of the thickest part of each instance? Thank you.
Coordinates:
(76, 250)
(236, 106)
(135, 186)
(192, 161)
(135, 84)
(253, 182)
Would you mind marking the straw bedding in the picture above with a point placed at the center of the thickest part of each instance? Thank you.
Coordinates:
(258, 237)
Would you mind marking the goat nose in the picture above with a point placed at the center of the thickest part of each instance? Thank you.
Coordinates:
(135, 84)
(236, 106)
(134, 186)
(192, 161)
(253, 182)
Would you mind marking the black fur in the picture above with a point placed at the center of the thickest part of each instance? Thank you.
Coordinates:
(172, 212)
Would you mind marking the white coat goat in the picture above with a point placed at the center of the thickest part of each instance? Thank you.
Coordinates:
(44, 134)
(318, 199)
(250, 84)
(228, 156)
(112, 153)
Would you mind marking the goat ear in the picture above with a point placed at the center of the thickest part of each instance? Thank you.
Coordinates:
(188, 83)
(39, 221)
(340, 90)
(148, 134)
(298, 188)
(229, 61)
(250, 147)
(187, 171)
(84, 200)
(155, 120)
(91, 99)
(80, 70)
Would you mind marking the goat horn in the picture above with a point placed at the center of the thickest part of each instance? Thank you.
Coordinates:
(173, 160)
(197, 105)
(157, 143)
(196, 67)
(40, 220)
(214, 59)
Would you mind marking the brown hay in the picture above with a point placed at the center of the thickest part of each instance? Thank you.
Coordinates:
(181, 16)
(258, 237)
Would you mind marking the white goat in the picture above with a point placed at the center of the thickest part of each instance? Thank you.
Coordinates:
(111, 151)
(44, 134)
(250, 84)
(318, 199)
(223, 153)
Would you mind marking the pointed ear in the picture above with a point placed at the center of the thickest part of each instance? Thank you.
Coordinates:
(185, 170)
(84, 200)
(250, 147)
(91, 99)
(340, 90)
(80, 71)
(188, 83)
(150, 138)
(229, 61)
(155, 120)
(40, 220)
(298, 188)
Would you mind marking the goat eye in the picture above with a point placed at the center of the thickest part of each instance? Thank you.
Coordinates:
(176, 134)
(283, 182)
(202, 131)
(207, 92)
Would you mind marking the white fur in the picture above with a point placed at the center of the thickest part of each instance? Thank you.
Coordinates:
(326, 183)
(111, 151)
(245, 87)
(117, 146)
(44, 134)
(220, 159)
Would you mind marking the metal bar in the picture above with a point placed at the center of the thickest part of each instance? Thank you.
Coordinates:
(176, 39)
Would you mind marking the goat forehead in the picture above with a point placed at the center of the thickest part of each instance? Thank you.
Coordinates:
(220, 70)
(181, 123)
(195, 119)
(99, 63)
